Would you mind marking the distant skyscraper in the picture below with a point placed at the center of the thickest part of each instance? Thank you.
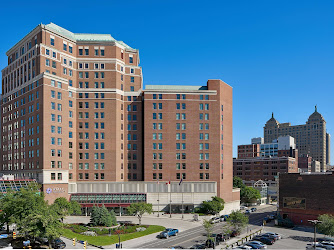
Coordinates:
(310, 138)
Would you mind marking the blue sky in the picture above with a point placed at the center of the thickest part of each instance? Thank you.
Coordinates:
(277, 55)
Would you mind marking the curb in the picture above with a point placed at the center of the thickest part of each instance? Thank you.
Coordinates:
(100, 247)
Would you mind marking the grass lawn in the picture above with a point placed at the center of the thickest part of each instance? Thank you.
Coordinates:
(109, 240)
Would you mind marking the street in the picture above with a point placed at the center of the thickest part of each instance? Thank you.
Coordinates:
(196, 235)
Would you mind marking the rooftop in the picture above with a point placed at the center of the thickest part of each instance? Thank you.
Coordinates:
(84, 37)
(175, 87)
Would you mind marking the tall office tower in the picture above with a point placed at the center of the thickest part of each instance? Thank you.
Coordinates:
(310, 138)
(71, 109)
(188, 134)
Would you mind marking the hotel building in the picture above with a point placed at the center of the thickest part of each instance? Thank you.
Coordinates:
(76, 118)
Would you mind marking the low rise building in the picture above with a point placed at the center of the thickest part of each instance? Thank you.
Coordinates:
(305, 196)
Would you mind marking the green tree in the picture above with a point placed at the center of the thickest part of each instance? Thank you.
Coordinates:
(237, 220)
(62, 207)
(76, 208)
(30, 212)
(208, 227)
(100, 216)
(140, 208)
(113, 218)
(213, 207)
(327, 225)
(247, 194)
(237, 182)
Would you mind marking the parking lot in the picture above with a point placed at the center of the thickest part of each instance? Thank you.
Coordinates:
(291, 238)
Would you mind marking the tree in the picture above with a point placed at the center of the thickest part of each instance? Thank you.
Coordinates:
(113, 218)
(327, 225)
(213, 207)
(100, 216)
(76, 208)
(237, 220)
(237, 182)
(31, 213)
(138, 209)
(247, 194)
(62, 207)
(208, 227)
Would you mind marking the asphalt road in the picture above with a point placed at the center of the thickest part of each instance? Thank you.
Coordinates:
(196, 235)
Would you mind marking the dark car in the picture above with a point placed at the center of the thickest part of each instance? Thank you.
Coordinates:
(226, 237)
(58, 244)
(218, 238)
(253, 209)
(267, 219)
(235, 233)
(198, 246)
(264, 240)
(270, 236)
(210, 243)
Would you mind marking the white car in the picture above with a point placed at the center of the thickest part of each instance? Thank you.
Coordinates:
(242, 247)
(215, 220)
(243, 207)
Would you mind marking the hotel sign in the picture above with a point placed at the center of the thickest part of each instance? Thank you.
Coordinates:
(55, 190)
(294, 203)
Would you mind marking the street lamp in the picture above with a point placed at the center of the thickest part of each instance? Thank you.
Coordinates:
(315, 223)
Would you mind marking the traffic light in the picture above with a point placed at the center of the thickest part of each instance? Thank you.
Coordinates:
(73, 241)
(14, 235)
(85, 244)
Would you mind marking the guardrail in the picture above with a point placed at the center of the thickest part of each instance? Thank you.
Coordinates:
(243, 239)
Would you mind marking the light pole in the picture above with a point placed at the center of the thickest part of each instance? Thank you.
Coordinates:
(158, 199)
(315, 223)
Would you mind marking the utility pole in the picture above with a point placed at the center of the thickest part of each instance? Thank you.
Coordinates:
(315, 223)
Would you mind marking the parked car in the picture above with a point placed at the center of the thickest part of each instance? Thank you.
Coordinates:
(243, 207)
(267, 219)
(210, 243)
(253, 209)
(58, 244)
(255, 245)
(264, 240)
(247, 211)
(198, 246)
(327, 245)
(317, 246)
(242, 247)
(270, 236)
(272, 216)
(169, 232)
(218, 238)
(224, 217)
(274, 234)
(226, 237)
(215, 220)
